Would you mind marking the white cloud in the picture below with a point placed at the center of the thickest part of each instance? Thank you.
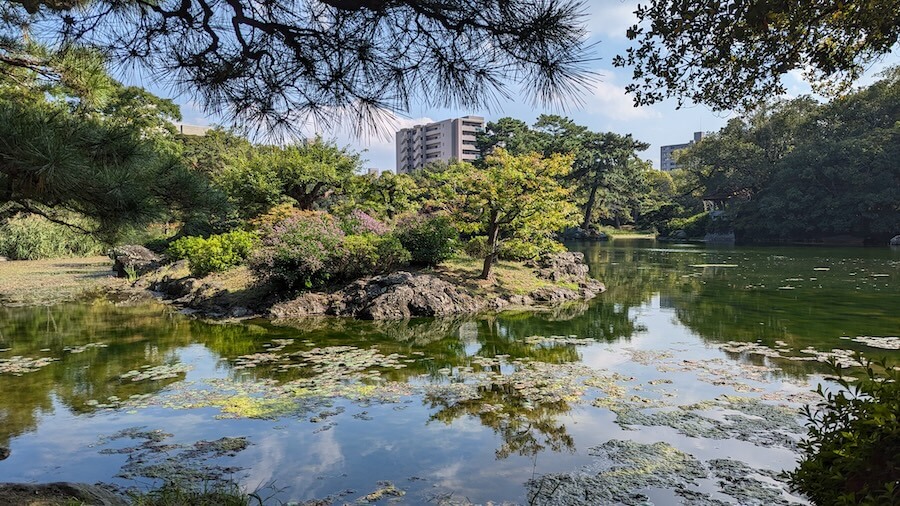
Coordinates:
(610, 100)
(611, 18)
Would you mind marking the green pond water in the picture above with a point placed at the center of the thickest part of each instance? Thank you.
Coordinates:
(680, 384)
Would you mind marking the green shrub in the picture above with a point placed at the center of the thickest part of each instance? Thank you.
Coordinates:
(429, 240)
(476, 247)
(372, 254)
(304, 250)
(851, 454)
(694, 226)
(217, 253)
(31, 237)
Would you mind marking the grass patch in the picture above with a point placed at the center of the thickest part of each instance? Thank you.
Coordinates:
(215, 494)
(509, 277)
(44, 282)
(627, 233)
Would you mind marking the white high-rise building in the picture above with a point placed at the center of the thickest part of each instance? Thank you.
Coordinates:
(667, 153)
(444, 141)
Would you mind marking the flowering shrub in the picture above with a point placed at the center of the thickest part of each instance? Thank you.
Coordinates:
(303, 250)
(359, 222)
(217, 253)
(430, 240)
(372, 254)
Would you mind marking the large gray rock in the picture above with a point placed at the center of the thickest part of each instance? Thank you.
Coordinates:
(402, 295)
(395, 296)
(895, 241)
(53, 494)
(307, 304)
(567, 266)
(138, 258)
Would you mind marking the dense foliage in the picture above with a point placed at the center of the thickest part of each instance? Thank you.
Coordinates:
(367, 254)
(430, 240)
(74, 142)
(216, 253)
(798, 170)
(609, 181)
(852, 451)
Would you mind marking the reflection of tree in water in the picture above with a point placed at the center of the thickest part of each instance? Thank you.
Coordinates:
(134, 337)
(526, 429)
(744, 303)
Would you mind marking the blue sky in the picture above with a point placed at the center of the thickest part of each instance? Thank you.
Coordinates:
(606, 107)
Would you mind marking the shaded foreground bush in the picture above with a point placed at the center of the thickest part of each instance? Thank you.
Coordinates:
(852, 451)
(217, 253)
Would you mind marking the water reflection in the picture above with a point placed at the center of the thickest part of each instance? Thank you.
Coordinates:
(676, 299)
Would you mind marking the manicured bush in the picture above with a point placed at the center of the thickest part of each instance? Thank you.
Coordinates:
(302, 251)
(31, 237)
(851, 454)
(217, 253)
(359, 222)
(366, 254)
(429, 240)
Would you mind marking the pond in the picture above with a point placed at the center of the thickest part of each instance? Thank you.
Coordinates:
(681, 383)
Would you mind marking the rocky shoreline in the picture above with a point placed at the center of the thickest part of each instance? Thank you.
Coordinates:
(394, 296)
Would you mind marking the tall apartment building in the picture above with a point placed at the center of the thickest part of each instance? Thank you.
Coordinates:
(667, 153)
(451, 139)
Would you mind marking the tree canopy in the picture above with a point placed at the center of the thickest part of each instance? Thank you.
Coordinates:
(734, 53)
(512, 196)
(279, 63)
(83, 145)
(807, 171)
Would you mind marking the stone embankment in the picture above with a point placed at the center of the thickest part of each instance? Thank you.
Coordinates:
(395, 296)
(403, 294)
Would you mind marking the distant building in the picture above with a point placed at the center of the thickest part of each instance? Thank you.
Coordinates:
(667, 153)
(192, 129)
(444, 141)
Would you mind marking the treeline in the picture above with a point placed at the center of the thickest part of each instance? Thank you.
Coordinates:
(799, 170)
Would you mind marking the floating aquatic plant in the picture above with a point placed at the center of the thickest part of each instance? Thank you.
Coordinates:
(157, 373)
(19, 365)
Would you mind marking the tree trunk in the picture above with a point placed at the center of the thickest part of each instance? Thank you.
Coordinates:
(493, 231)
(589, 209)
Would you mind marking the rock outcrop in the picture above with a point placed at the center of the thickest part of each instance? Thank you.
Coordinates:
(403, 295)
(4, 453)
(133, 258)
(895, 241)
(396, 296)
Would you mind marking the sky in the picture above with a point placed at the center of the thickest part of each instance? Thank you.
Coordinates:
(605, 108)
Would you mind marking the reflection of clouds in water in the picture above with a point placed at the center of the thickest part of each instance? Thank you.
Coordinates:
(603, 358)
(449, 477)
(283, 450)
(271, 458)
